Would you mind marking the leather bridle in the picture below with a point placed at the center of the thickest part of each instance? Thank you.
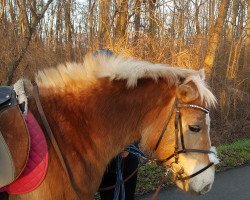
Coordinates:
(178, 129)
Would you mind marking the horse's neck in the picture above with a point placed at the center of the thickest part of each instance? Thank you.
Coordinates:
(76, 144)
(94, 125)
(117, 116)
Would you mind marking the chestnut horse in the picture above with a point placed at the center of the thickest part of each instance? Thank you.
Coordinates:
(97, 108)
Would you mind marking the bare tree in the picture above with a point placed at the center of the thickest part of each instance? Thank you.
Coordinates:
(51, 25)
(121, 19)
(247, 41)
(104, 22)
(31, 27)
(59, 23)
(2, 11)
(152, 4)
(211, 14)
(91, 20)
(137, 19)
(234, 42)
(67, 21)
(68, 27)
(215, 36)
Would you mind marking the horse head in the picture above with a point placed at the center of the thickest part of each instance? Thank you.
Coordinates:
(184, 142)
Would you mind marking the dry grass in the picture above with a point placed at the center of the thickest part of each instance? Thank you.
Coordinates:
(230, 120)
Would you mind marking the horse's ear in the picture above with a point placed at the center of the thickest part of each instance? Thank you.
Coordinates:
(187, 92)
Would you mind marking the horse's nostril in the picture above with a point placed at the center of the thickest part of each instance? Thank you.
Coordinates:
(205, 189)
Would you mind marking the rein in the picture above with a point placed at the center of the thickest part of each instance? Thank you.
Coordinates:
(52, 137)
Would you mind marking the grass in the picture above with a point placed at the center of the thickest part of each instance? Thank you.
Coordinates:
(234, 154)
(230, 155)
(148, 178)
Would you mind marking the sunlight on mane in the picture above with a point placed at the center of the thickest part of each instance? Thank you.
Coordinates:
(118, 68)
(203, 89)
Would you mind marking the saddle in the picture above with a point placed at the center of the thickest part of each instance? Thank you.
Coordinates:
(14, 137)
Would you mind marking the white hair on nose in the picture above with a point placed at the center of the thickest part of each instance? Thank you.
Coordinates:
(213, 156)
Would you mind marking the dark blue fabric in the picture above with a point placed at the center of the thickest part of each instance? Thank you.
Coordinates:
(129, 164)
(132, 148)
(106, 52)
(119, 180)
(118, 169)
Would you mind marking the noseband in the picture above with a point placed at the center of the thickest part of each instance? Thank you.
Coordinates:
(177, 150)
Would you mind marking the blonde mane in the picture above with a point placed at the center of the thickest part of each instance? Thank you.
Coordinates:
(118, 68)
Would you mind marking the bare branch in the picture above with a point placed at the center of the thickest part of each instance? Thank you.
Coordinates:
(18, 58)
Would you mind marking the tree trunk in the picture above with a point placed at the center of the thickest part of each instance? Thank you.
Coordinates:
(196, 17)
(121, 19)
(67, 21)
(104, 22)
(23, 18)
(211, 15)
(137, 19)
(247, 41)
(91, 23)
(181, 22)
(51, 38)
(59, 23)
(245, 72)
(2, 11)
(12, 12)
(234, 43)
(152, 18)
(214, 38)
(14, 21)
(172, 29)
(233, 20)
(68, 28)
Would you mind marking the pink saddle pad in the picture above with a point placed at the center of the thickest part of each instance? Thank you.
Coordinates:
(37, 164)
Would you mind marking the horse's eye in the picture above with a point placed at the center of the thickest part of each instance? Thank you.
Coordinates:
(194, 128)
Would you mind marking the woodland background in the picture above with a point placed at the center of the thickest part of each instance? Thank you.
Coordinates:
(209, 34)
